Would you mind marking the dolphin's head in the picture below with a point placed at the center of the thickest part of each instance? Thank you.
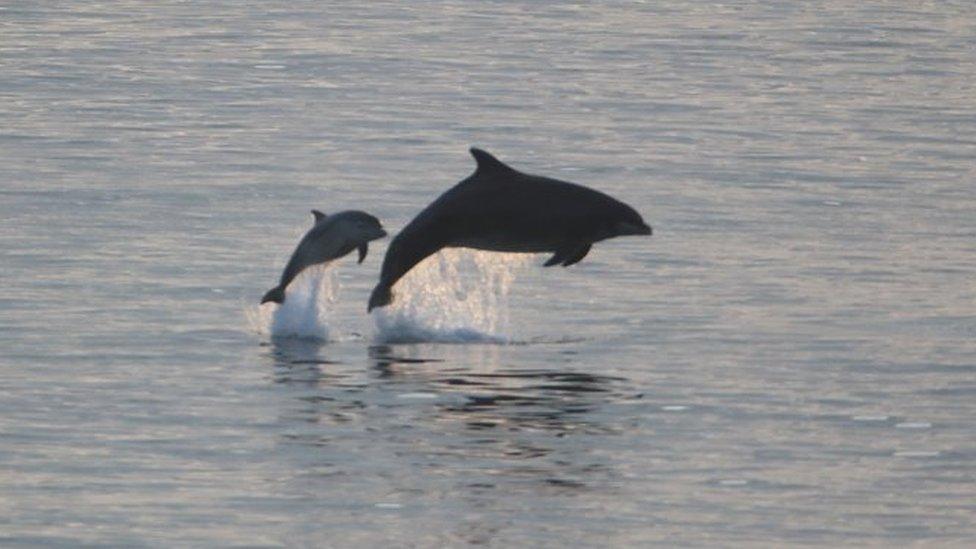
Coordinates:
(361, 226)
(626, 221)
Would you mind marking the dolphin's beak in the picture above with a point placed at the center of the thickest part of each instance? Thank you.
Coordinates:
(626, 228)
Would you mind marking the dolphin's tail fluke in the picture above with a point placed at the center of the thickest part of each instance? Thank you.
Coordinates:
(276, 295)
(381, 297)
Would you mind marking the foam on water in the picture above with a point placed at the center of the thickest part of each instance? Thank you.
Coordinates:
(306, 310)
(454, 296)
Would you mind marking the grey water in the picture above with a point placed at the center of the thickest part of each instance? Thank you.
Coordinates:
(789, 360)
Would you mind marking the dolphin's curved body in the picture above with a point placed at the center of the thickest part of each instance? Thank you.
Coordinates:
(499, 208)
(331, 237)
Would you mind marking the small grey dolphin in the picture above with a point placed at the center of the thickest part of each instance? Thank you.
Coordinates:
(331, 237)
(499, 208)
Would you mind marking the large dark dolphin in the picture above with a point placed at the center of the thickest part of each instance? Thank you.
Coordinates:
(332, 237)
(499, 208)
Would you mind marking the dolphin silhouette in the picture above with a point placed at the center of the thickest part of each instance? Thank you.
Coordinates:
(331, 237)
(499, 208)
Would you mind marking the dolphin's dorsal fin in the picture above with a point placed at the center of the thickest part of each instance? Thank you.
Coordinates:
(488, 163)
(319, 216)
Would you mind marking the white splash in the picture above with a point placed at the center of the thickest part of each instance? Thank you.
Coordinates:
(306, 311)
(454, 296)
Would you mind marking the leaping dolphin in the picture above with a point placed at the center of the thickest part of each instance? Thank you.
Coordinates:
(331, 237)
(501, 209)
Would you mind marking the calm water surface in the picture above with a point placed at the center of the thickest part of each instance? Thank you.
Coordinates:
(789, 360)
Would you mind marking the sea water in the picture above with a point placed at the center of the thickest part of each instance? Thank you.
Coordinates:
(789, 360)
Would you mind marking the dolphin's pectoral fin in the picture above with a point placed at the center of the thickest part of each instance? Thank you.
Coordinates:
(363, 248)
(567, 254)
(577, 254)
(319, 216)
(561, 254)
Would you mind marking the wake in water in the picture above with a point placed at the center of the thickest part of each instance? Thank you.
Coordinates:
(305, 312)
(454, 296)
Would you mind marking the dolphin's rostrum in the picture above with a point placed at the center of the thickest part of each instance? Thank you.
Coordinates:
(499, 208)
(331, 237)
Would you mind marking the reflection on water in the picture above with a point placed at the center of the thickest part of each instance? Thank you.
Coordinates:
(484, 423)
